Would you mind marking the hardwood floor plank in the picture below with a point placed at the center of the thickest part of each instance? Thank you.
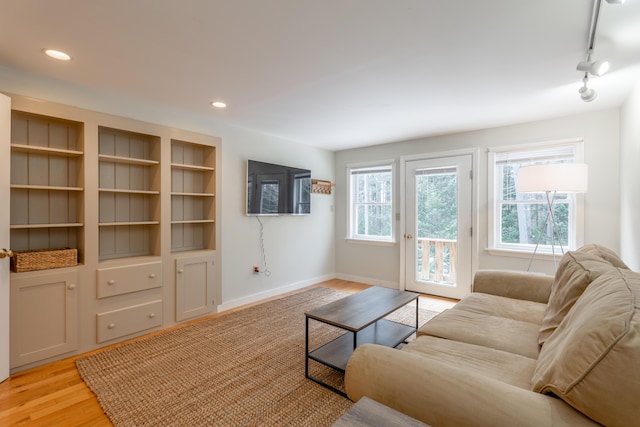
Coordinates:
(55, 395)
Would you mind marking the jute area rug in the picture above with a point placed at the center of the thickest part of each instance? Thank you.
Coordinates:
(245, 368)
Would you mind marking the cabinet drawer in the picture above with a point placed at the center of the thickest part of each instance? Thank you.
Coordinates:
(132, 278)
(129, 320)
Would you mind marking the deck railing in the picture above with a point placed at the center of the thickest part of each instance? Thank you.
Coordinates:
(438, 260)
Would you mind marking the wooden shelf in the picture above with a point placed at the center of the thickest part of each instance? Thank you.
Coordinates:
(193, 167)
(119, 190)
(45, 187)
(194, 194)
(120, 223)
(60, 225)
(194, 221)
(45, 150)
(127, 160)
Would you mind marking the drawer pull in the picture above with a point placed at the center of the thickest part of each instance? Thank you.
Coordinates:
(111, 282)
(152, 315)
(181, 271)
(71, 286)
(111, 325)
(152, 276)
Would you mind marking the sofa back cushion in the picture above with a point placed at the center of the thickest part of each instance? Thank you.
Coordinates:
(591, 360)
(604, 253)
(575, 272)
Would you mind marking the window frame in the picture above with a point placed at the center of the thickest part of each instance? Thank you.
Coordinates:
(576, 218)
(352, 235)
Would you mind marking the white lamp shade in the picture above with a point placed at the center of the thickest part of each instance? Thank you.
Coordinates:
(561, 177)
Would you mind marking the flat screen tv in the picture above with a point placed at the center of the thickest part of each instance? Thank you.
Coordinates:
(277, 190)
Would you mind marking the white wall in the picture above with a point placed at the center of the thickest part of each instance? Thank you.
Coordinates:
(600, 131)
(299, 250)
(630, 180)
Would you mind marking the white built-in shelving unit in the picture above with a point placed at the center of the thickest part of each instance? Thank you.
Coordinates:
(139, 202)
(46, 182)
(129, 186)
(192, 196)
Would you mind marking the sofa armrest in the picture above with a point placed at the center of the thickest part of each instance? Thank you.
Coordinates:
(514, 284)
(442, 394)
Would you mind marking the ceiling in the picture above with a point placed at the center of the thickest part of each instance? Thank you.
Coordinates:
(333, 73)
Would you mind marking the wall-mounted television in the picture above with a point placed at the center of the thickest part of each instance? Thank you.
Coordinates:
(277, 190)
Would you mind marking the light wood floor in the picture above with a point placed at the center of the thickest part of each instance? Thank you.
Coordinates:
(54, 394)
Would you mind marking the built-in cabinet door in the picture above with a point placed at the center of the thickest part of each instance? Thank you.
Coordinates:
(194, 286)
(44, 315)
(5, 178)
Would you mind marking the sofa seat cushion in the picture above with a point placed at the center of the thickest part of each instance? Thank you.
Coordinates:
(575, 272)
(591, 360)
(500, 365)
(494, 305)
(500, 333)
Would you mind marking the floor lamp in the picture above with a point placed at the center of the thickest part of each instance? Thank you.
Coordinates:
(551, 179)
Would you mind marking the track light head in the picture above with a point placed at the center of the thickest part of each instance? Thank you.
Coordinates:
(587, 94)
(595, 68)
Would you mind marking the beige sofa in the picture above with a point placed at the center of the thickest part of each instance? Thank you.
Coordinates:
(520, 350)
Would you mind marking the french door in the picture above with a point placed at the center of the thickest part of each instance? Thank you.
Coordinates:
(438, 225)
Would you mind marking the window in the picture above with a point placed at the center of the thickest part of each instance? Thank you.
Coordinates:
(518, 221)
(302, 193)
(371, 203)
(269, 196)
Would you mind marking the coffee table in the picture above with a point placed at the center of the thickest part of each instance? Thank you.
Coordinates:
(361, 315)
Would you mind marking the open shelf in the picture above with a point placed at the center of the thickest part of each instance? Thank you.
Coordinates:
(336, 353)
(45, 150)
(192, 196)
(127, 160)
(47, 191)
(129, 190)
(193, 167)
(114, 190)
(45, 187)
(60, 225)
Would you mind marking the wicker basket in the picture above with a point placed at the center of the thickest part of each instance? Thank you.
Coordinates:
(43, 259)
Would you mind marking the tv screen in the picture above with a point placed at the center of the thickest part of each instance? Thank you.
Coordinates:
(277, 190)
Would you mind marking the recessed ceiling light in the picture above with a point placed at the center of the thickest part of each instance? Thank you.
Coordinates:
(218, 104)
(56, 54)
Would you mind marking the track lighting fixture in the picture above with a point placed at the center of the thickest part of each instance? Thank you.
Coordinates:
(586, 93)
(589, 67)
(595, 68)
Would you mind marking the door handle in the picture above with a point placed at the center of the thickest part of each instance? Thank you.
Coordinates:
(408, 236)
(4, 253)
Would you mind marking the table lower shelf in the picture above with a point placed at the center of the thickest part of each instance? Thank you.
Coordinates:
(336, 353)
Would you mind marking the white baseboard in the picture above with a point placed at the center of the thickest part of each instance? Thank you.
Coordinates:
(369, 281)
(238, 302)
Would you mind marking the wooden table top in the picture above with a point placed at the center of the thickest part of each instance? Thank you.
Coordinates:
(369, 413)
(356, 312)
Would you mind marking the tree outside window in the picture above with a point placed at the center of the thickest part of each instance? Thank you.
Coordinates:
(371, 203)
(519, 218)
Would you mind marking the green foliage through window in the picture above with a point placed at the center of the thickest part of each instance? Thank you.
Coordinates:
(521, 218)
(371, 203)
